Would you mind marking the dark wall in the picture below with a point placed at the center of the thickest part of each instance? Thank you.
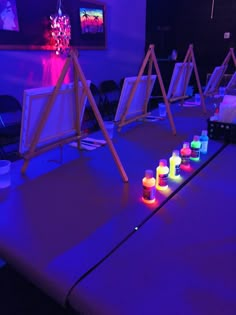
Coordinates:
(160, 26)
(189, 21)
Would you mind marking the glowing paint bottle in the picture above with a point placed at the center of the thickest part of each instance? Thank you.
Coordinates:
(204, 141)
(162, 172)
(195, 149)
(185, 154)
(149, 187)
(175, 161)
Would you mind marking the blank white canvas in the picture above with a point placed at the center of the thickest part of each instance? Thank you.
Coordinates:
(140, 95)
(214, 81)
(61, 122)
(232, 82)
(183, 80)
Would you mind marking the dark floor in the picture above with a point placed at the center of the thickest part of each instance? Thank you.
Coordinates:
(19, 297)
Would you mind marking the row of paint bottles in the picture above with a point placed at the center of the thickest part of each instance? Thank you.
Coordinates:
(182, 157)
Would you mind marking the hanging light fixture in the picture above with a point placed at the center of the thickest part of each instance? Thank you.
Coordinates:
(60, 30)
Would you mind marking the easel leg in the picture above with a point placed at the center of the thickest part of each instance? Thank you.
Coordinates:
(99, 119)
(163, 91)
(45, 114)
(198, 80)
(25, 166)
(134, 88)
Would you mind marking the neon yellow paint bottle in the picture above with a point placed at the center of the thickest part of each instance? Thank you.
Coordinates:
(162, 172)
(175, 161)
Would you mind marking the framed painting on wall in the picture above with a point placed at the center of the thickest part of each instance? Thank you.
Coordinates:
(92, 31)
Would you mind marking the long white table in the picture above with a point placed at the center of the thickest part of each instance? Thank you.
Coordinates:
(60, 221)
(181, 261)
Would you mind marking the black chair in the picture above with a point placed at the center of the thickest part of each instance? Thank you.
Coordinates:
(89, 123)
(98, 97)
(111, 93)
(10, 126)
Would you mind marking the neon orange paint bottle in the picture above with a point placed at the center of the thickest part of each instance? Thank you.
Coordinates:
(149, 190)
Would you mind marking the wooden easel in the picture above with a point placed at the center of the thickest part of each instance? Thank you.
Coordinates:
(151, 59)
(230, 55)
(189, 59)
(78, 75)
(215, 82)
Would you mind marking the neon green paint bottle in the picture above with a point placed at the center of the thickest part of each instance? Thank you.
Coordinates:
(195, 148)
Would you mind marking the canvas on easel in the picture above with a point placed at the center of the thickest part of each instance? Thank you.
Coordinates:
(136, 106)
(151, 60)
(61, 122)
(180, 81)
(231, 86)
(181, 77)
(230, 56)
(71, 131)
(214, 81)
(218, 74)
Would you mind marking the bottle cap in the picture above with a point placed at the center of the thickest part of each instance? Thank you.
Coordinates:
(175, 153)
(148, 173)
(204, 132)
(196, 138)
(163, 162)
(186, 145)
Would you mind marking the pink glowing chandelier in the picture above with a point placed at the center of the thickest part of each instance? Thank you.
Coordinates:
(60, 30)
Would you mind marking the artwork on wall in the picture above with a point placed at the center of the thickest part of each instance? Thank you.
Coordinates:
(92, 24)
(24, 25)
(8, 15)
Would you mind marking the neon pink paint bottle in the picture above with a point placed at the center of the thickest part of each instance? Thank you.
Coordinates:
(185, 154)
(195, 148)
